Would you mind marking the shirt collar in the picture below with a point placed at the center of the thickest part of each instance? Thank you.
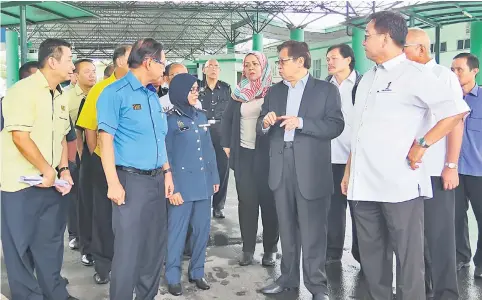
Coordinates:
(112, 77)
(392, 63)
(42, 81)
(78, 90)
(432, 63)
(475, 90)
(133, 81)
(302, 80)
(351, 77)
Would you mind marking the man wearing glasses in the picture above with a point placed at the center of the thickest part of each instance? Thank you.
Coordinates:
(214, 95)
(171, 71)
(132, 130)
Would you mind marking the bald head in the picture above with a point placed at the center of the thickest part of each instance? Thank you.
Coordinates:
(174, 69)
(417, 46)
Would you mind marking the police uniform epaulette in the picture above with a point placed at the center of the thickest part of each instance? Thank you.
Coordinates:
(173, 111)
(223, 83)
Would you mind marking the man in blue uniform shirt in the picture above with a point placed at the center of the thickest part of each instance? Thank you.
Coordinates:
(132, 131)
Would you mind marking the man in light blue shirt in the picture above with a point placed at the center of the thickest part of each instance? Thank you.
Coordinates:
(466, 67)
(132, 130)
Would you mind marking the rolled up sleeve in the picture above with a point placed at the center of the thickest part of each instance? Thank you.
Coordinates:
(18, 110)
(108, 109)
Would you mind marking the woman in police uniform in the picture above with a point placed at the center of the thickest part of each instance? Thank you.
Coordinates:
(195, 174)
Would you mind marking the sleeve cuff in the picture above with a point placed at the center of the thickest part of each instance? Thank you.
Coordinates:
(110, 130)
(300, 126)
(265, 130)
(25, 128)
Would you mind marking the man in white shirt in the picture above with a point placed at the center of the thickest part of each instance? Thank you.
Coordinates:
(171, 71)
(340, 60)
(441, 164)
(383, 174)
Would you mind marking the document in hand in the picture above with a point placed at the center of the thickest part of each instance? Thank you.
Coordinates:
(37, 179)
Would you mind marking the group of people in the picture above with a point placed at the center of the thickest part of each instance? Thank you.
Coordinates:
(147, 166)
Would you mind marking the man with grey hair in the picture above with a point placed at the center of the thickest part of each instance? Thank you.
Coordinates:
(214, 96)
(171, 71)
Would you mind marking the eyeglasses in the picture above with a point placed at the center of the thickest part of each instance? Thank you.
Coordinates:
(157, 61)
(408, 45)
(214, 67)
(369, 35)
(194, 90)
(282, 61)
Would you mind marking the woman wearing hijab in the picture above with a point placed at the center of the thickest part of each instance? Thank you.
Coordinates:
(249, 158)
(195, 174)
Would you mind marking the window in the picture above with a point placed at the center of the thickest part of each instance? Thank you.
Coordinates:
(463, 44)
(443, 47)
(460, 44)
(431, 48)
(317, 68)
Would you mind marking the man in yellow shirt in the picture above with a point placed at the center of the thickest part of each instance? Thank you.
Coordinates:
(85, 74)
(99, 214)
(33, 143)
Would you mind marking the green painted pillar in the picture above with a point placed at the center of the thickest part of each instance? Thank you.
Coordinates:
(362, 63)
(297, 34)
(258, 42)
(476, 44)
(230, 47)
(12, 57)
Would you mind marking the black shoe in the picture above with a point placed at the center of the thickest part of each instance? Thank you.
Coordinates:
(218, 214)
(321, 296)
(100, 280)
(74, 244)
(201, 283)
(246, 259)
(275, 288)
(174, 289)
(87, 260)
(72, 298)
(269, 259)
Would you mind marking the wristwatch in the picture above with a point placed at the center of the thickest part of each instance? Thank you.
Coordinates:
(421, 142)
(451, 165)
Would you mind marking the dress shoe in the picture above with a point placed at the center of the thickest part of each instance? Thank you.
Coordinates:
(478, 272)
(100, 280)
(321, 296)
(246, 259)
(274, 288)
(201, 283)
(87, 260)
(218, 214)
(462, 265)
(269, 259)
(74, 244)
(174, 289)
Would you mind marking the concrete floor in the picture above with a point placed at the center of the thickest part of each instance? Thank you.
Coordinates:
(230, 281)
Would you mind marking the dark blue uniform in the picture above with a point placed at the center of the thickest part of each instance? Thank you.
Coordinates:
(193, 163)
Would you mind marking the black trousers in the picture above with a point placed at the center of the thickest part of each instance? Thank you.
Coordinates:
(253, 193)
(102, 246)
(33, 225)
(469, 189)
(439, 223)
(73, 211)
(140, 230)
(337, 219)
(86, 202)
(302, 226)
(219, 199)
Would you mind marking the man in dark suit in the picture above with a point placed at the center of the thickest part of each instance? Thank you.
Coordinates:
(301, 115)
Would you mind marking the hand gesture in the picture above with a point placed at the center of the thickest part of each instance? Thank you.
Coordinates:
(289, 122)
(269, 119)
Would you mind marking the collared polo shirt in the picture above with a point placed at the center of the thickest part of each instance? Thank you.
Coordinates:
(133, 115)
(391, 102)
(74, 96)
(88, 116)
(340, 146)
(435, 157)
(470, 162)
(32, 107)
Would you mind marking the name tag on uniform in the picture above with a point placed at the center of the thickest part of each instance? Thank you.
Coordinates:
(136, 106)
(205, 126)
(211, 121)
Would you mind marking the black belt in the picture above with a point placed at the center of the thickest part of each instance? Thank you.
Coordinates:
(288, 145)
(154, 172)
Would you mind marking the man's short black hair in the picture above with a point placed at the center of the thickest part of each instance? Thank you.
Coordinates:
(472, 60)
(296, 50)
(25, 69)
(345, 51)
(120, 51)
(392, 23)
(170, 66)
(78, 62)
(108, 70)
(143, 49)
(51, 48)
